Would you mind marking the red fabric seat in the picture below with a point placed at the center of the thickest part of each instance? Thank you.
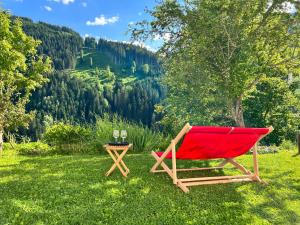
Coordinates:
(207, 142)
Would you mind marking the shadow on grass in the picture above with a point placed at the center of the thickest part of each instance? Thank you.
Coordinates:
(280, 197)
(74, 190)
(297, 154)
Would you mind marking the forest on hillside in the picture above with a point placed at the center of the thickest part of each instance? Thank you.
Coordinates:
(91, 78)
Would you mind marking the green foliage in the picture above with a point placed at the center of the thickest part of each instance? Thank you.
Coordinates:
(60, 43)
(74, 190)
(91, 61)
(68, 139)
(74, 98)
(33, 149)
(123, 59)
(80, 95)
(90, 42)
(133, 67)
(22, 71)
(218, 50)
(287, 145)
(273, 103)
(146, 68)
(142, 138)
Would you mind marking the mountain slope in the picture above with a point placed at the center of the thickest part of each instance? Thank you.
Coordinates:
(92, 78)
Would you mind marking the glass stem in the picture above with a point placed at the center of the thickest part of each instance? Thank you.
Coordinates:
(116, 140)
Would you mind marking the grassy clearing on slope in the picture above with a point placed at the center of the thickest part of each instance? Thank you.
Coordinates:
(99, 59)
(74, 190)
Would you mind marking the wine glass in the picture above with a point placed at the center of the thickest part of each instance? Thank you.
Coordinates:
(123, 135)
(116, 135)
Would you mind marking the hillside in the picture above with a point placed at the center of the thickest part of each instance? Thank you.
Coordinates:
(92, 78)
(123, 59)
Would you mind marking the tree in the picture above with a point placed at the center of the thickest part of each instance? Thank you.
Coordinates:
(81, 56)
(216, 51)
(90, 42)
(133, 67)
(21, 71)
(146, 68)
(273, 102)
(91, 61)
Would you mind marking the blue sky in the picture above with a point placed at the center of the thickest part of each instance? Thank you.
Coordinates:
(99, 18)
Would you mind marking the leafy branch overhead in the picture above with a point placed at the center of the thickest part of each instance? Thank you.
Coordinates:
(223, 49)
(22, 70)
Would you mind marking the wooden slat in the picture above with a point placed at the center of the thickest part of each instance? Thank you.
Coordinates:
(164, 166)
(223, 163)
(190, 169)
(217, 182)
(255, 161)
(182, 186)
(238, 166)
(202, 168)
(215, 178)
(174, 172)
(118, 148)
(184, 130)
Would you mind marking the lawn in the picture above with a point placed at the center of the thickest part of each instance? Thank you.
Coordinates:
(74, 190)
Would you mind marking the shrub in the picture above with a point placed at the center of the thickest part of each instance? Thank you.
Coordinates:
(287, 145)
(33, 148)
(66, 138)
(7, 146)
(143, 138)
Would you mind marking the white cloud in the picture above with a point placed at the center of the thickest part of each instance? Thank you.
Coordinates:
(65, 2)
(48, 8)
(102, 20)
(84, 4)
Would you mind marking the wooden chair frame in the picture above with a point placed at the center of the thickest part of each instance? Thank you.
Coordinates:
(183, 184)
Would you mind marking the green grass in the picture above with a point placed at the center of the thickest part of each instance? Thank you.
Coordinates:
(99, 59)
(74, 190)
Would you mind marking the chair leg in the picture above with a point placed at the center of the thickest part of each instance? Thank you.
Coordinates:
(163, 165)
(160, 158)
(238, 166)
(255, 166)
(169, 172)
(222, 164)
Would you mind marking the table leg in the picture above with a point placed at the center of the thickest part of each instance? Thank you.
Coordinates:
(117, 163)
(122, 163)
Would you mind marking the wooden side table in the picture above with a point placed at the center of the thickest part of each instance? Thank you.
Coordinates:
(113, 151)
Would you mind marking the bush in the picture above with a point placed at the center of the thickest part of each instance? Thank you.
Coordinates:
(33, 148)
(66, 138)
(287, 145)
(142, 138)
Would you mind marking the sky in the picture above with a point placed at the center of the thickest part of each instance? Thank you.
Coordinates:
(107, 19)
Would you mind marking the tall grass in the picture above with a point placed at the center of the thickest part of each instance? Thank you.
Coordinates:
(142, 138)
(68, 139)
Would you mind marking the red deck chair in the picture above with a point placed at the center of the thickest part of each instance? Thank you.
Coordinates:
(205, 143)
